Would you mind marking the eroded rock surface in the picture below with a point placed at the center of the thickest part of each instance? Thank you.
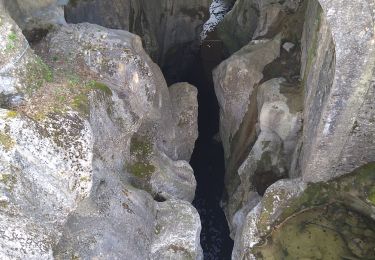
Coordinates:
(90, 149)
(170, 30)
(308, 120)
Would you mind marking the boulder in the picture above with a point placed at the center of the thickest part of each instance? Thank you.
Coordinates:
(185, 114)
(338, 72)
(343, 205)
(171, 216)
(69, 159)
(45, 171)
(235, 80)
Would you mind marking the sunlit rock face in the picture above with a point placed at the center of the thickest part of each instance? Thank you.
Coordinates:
(87, 146)
(94, 145)
(303, 117)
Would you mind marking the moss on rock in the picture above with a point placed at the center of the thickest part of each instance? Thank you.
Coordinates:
(6, 141)
(141, 152)
(332, 204)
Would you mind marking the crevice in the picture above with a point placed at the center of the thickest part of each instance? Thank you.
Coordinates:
(208, 155)
(189, 61)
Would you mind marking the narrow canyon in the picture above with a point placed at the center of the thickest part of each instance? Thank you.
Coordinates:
(199, 129)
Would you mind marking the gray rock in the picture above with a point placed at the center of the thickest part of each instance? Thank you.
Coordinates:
(256, 224)
(42, 180)
(238, 26)
(337, 73)
(171, 216)
(288, 46)
(66, 176)
(235, 79)
(185, 114)
(172, 179)
(255, 19)
(338, 132)
(18, 64)
(35, 15)
(170, 31)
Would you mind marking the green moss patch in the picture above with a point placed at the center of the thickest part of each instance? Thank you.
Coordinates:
(331, 232)
(371, 196)
(37, 74)
(59, 89)
(11, 44)
(6, 141)
(11, 114)
(93, 84)
(141, 150)
(331, 204)
(141, 170)
(8, 179)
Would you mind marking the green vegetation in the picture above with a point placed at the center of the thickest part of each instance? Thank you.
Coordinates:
(37, 74)
(12, 38)
(350, 197)
(371, 196)
(6, 141)
(141, 151)
(331, 232)
(11, 114)
(141, 169)
(8, 179)
(58, 91)
(93, 84)
(81, 103)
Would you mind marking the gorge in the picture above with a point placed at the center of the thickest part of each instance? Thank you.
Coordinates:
(201, 129)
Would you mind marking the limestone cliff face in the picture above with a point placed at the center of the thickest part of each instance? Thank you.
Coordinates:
(302, 116)
(170, 30)
(340, 135)
(94, 145)
(87, 148)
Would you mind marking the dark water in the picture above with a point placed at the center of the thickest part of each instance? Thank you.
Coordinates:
(208, 157)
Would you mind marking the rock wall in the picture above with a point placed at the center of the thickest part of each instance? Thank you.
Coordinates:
(341, 137)
(294, 105)
(35, 17)
(88, 137)
(253, 19)
(170, 30)
(93, 144)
